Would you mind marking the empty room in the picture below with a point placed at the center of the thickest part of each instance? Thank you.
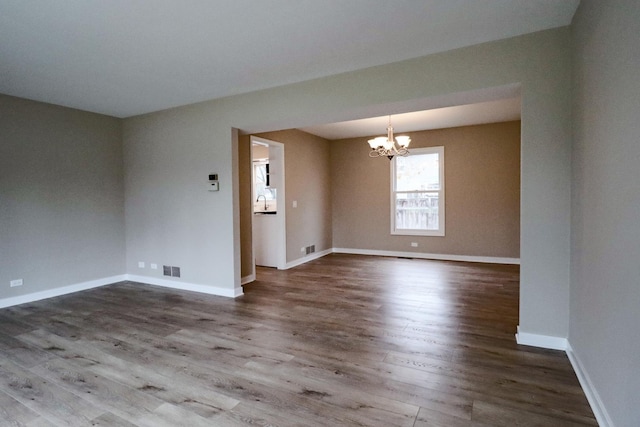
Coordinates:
(418, 213)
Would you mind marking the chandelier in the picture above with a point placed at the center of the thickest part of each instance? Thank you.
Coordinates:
(386, 145)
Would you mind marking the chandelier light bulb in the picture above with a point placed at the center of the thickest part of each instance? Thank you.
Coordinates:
(386, 146)
(403, 140)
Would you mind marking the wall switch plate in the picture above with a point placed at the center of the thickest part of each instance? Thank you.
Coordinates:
(154, 266)
(295, 203)
(213, 186)
(414, 244)
(14, 283)
(175, 271)
(140, 264)
(166, 270)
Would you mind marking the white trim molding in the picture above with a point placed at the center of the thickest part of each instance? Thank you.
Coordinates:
(248, 279)
(543, 341)
(599, 411)
(375, 252)
(422, 255)
(307, 258)
(193, 287)
(64, 290)
(558, 343)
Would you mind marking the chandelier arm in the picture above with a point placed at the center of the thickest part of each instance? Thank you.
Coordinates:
(388, 148)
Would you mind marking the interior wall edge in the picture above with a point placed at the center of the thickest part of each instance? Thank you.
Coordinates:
(431, 256)
(542, 341)
(59, 291)
(248, 279)
(106, 281)
(596, 403)
(186, 286)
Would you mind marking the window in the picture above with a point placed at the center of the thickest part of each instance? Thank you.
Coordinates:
(264, 195)
(417, 193)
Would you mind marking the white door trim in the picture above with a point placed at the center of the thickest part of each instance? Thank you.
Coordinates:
(281, 245)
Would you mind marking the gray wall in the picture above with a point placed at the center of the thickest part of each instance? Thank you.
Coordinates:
(170, 215)
(61, 196)
(605, 267)
(482, 187)
(171, 218)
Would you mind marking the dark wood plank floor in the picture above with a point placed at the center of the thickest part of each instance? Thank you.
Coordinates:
(343, 340)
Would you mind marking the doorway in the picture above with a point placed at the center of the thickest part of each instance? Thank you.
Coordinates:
(268, 203)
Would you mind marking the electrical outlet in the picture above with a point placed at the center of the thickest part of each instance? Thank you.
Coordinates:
(414, 244)
(303, 249)
(175, 271)
(295, 203)
(166, 270)
(154, 266)
(140, 264)
(14, 283)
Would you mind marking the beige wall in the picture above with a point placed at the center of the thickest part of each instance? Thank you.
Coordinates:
(61, 196)
(482, 193)
(482, 197)
(307, 181)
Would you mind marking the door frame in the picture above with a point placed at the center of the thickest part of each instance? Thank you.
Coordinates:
(276, 150)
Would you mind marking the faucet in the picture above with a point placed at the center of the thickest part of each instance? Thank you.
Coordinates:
(265, 200)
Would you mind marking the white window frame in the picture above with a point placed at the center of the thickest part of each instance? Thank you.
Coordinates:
(441, 194)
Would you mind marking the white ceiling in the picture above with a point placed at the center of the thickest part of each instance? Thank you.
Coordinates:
(123, 57)
(502, 110)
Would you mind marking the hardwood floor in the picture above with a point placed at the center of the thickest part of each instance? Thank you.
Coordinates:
(342, 340)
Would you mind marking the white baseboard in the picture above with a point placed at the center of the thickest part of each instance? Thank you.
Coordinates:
(194, 287)
(543, 341)
(422, 255)
(248, 279)
(50, 293)
(307, 258)
(557, 343)
(600, 412)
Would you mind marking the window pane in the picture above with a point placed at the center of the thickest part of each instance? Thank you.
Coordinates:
(418, 172)
(260, 183)
(417, 211)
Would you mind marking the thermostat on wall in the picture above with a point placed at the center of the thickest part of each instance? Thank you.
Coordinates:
(213, 182)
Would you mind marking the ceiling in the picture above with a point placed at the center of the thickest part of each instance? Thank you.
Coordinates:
(124, 58)
(502, 110)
